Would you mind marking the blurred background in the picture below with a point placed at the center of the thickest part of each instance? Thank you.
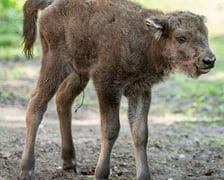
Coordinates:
(186, 116)
(213, 10)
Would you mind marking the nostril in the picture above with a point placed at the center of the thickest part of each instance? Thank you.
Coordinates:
(206, 61)
(214, 59)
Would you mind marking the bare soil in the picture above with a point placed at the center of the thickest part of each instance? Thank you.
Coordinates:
(177, 149)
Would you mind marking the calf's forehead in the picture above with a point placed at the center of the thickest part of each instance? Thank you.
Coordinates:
(195, 26)
(189, 22)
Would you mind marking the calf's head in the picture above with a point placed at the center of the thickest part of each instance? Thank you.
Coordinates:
(184, 38)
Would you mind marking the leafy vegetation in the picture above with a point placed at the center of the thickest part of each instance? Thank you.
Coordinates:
(11, 28)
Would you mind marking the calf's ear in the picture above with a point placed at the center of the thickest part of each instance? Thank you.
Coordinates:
(156, 25)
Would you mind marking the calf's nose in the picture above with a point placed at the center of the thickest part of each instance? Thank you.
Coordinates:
(208, 61)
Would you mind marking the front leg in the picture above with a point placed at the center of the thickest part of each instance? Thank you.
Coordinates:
(138, 108)
(109, 96)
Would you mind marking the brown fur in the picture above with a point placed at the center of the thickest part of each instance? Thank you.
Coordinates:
(125, 49)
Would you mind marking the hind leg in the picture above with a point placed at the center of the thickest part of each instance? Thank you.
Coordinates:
(49, 80)
(72, 86)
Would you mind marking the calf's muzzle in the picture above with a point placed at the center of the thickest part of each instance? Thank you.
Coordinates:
(206, 61)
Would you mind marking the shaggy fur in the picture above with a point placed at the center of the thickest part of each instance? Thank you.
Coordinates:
(125, 49)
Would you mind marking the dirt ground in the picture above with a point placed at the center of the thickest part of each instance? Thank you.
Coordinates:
(177, 149)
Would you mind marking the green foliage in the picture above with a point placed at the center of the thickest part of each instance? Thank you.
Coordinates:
(11, 29)
(9, 40)
(8, 3)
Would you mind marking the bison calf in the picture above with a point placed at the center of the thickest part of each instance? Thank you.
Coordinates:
(125, 50)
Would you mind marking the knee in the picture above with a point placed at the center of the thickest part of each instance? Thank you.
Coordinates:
(63, 101)
(37, 106)
(140, 136)
(60, 103)
(112, 132)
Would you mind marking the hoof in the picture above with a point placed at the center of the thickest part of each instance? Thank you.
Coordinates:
(144, 177)
(71, 165)
(26, 175)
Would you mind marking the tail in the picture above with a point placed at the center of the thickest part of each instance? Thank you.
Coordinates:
(30, 10)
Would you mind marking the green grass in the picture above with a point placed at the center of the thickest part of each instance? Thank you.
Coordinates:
(4, 95)
(195, 98)
(217, 141)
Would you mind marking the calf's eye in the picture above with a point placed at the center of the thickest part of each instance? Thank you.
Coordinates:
(181, 40)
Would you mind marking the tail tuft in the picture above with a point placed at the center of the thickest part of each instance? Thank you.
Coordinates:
(29, 32)
(30, 10)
